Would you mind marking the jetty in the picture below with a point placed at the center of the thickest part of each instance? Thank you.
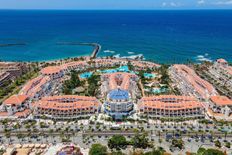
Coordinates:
(12, 44)
(97, 47)
(96, 50)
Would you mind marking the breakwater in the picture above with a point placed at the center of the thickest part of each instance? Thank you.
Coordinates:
(97, 47)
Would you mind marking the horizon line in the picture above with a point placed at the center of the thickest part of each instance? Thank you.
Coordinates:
(161, 9)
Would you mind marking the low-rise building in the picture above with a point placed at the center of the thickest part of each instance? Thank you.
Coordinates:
(53, 72)
(4, 78)
(16, 105)
(221, 71)
(120, 90)
(124, 81)
(220, 108)
(119, 104)
(10, 71)
(170, 106)
(190, 84)
(37, 87)
(14, 68)
(66, 107)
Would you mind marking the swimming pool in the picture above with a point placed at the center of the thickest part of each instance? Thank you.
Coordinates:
(149, 75)
(119, 69)
(158, 90)
(86, 75)
(123, 69)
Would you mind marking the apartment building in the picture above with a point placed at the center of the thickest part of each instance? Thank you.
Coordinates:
(124, 81)
(170, 106)
(4, 77)
(119, 104)
(222, 73)
(10, 71)
(66, 107)
(220, 108)
(16, 105)
(190, 84)
(37, 87)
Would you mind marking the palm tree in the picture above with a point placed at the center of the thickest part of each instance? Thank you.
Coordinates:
(225, 134)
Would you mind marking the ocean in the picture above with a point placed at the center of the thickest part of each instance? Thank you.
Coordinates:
(162, 36)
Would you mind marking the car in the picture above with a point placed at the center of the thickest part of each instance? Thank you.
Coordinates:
(177, 135)
(209, 136)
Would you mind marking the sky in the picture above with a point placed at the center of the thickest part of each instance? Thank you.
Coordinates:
(115, 4)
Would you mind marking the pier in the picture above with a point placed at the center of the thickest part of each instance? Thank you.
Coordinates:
(96, 50)
(96, 46)
(12, 44)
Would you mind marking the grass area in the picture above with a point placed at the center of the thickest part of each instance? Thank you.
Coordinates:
(162, 82)
(90, 85)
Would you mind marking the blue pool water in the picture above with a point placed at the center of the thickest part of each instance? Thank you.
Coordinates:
(158, 90)
(119, 69)
(163, 36)
(86, 75)
(149, 75)
(123, 69)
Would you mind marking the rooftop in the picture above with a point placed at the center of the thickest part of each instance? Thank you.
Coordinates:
(221, 100)
(51, 70)
(169, 102)
(15, 99)
(119, 94)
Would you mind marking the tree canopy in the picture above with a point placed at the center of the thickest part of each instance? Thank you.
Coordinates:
(140, 141)
(117, 142)
(98, 149)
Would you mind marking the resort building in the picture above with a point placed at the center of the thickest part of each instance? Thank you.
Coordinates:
(142, 65)
(16, 105)
(170, 106)
(220, 108)
(221, 72)
(111, 62)
(118, 104)
(4, 78)
(120, 90)
(66, 107)
(15, 69)
(37, 87)
(103, 62)
(75, 65)
(190, 84)
(123, 81)
(53, 72)
(10, 71)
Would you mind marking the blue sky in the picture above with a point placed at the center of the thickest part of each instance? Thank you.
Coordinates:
(115, 4)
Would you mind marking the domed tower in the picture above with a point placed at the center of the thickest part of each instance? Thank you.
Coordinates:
(118, 104)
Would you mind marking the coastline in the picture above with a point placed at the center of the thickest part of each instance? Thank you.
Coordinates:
(93, 54)
(97, 47)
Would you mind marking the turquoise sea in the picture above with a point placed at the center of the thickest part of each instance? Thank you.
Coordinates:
(161, 36)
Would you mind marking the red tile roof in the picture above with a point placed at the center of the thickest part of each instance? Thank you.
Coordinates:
(24, 113)
(15, 99)
(221, 100)
(51, 70)
(169, 102)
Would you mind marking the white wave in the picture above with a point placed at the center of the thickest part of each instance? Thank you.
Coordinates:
(131, 52)
(138, 56)
(109, 51)
(116, 56)
(204, 58)
(200, 56)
